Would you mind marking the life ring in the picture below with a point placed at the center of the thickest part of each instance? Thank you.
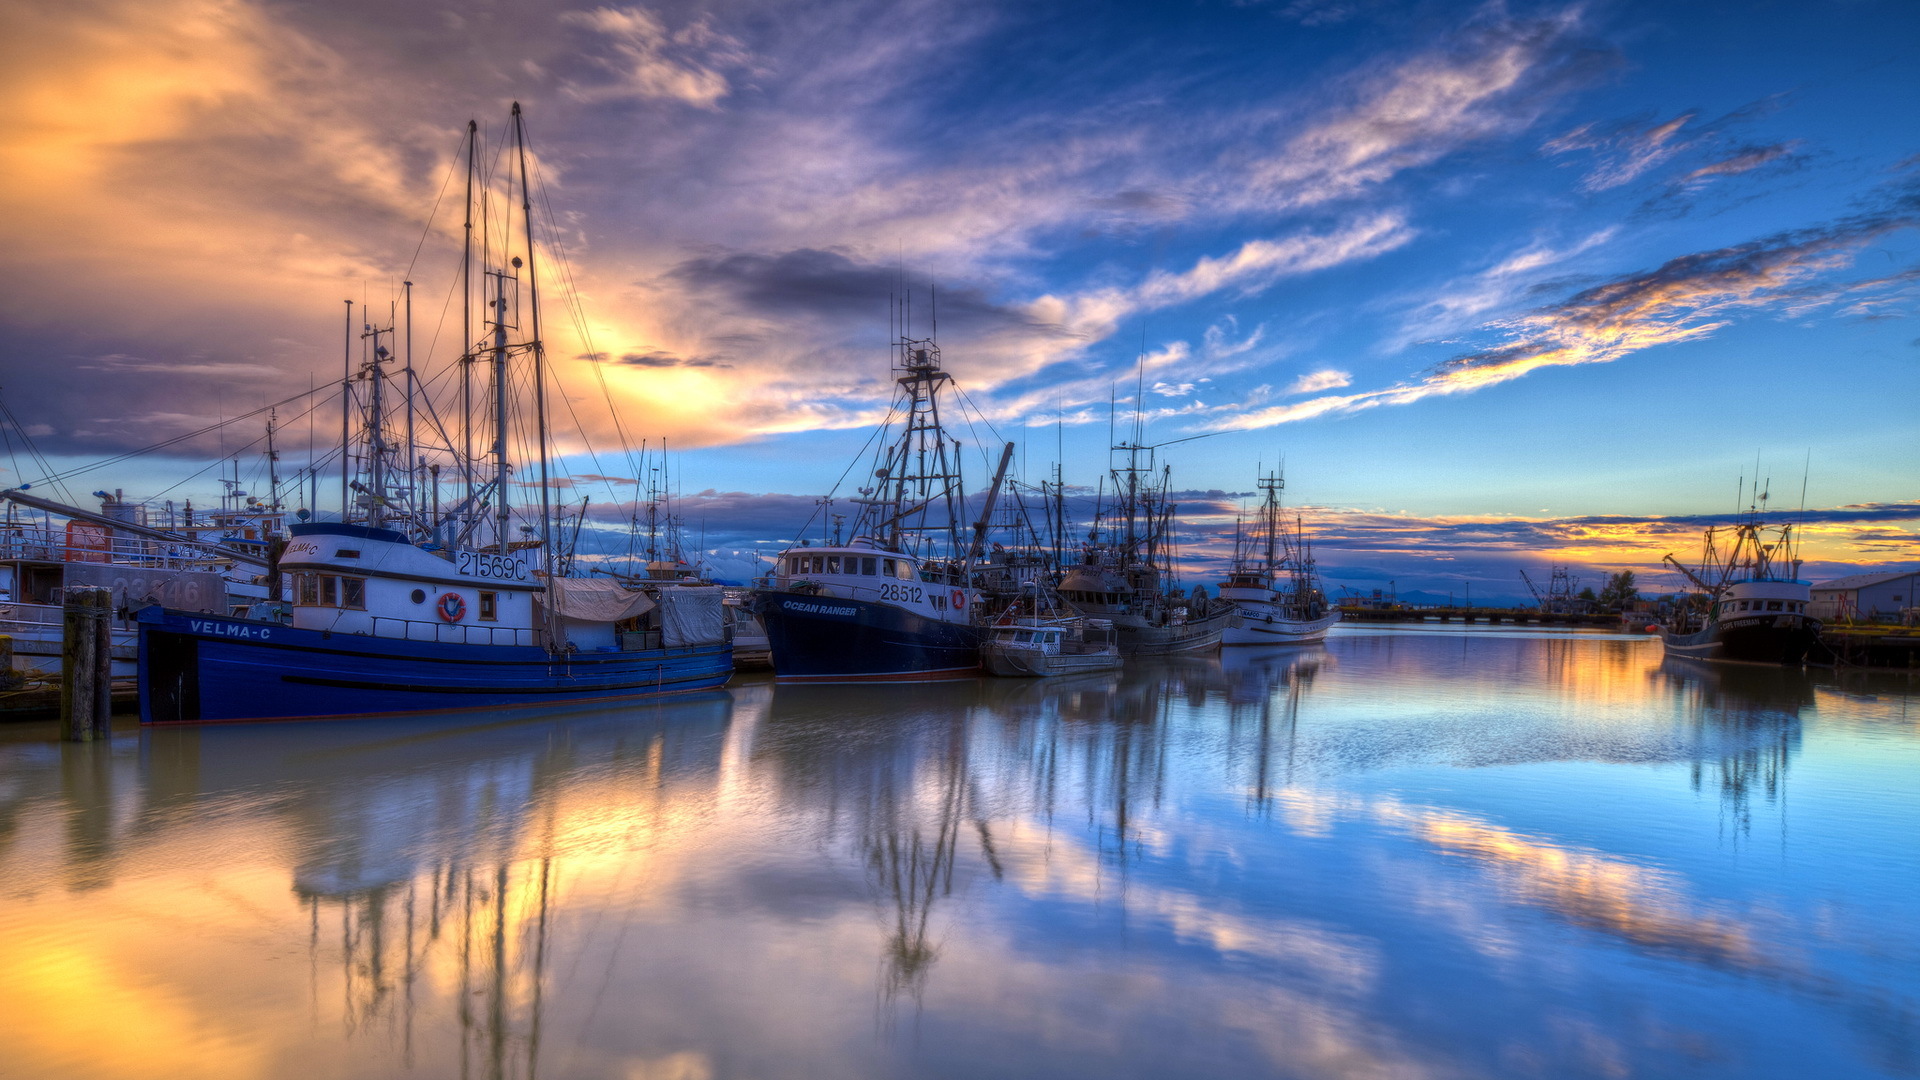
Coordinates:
(451, 607)
(959, 599)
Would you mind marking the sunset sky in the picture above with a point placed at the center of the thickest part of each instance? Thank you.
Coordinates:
(1501, 283)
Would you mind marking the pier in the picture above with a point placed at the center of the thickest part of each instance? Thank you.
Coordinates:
(1515, 616)
(1872, 646)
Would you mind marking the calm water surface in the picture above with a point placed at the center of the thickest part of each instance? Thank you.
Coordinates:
(1405, 854)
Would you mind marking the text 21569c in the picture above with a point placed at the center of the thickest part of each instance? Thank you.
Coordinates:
(474, 564)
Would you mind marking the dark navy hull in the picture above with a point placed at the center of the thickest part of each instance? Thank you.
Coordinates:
(201, 668)
(1757, 639)
(823, 638)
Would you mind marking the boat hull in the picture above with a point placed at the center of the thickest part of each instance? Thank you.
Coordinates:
(1763, 639)
(1032, 663)
(824, 639)
(1250, 628)
(210, 669)
(1201, 635)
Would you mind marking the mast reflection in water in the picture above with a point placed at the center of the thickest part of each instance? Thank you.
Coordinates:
(1405, 853)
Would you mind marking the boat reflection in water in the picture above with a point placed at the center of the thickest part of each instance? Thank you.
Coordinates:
(1290, 861)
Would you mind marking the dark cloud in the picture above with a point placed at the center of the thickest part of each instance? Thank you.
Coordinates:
(834, 288)
(661, 358)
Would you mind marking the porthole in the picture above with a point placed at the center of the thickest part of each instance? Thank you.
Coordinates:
(419, 596)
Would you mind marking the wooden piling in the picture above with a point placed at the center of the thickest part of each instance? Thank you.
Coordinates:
(86, 665)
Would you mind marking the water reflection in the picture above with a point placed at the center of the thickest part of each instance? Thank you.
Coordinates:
(1747, 719)
(1396, 854)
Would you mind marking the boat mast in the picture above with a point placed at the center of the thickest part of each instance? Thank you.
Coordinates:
(377, 449)
(1271, 484)
(346, 409)
(273, 464)
(413, 506)
(539, 353)
(503, 509)
(466, 335)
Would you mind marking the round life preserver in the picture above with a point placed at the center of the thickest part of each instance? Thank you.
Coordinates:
(451, 607)
(959, 599)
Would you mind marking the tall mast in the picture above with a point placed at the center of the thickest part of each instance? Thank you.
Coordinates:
(503, 510)
(1270, 510)
(273, 464)
(346, 408)
(539, 364)
(466, 332)
(413, 507)
(377, 449)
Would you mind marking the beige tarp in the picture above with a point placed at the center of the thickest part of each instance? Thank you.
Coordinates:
(600, 600)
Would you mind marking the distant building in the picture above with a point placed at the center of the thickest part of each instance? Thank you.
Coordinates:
(1866, 597)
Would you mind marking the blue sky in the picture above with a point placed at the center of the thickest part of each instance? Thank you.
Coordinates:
(1459, 264)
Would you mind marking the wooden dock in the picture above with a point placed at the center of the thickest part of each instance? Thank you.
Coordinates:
(1873, 646)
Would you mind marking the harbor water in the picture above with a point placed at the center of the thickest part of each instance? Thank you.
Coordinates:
(1408, 853)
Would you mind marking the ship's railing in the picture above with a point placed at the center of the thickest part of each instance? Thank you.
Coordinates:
(43, 619)
(35, 544)
(388, 626)
(48, 622)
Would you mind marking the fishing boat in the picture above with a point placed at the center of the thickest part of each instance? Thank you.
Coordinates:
(897, 600)
(1038, 635)
(214, 561)
(1272, 586)
(1755, 604)
(1125, 572)
(404, 607)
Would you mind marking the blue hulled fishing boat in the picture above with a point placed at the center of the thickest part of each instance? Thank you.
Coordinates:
(1753, 611)
(897, 601)
(413, 608)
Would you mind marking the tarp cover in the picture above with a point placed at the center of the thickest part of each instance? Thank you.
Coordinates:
(692, 615)
(601, 600)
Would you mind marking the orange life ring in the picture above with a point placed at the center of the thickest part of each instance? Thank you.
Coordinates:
(451, 607)
(959, 599)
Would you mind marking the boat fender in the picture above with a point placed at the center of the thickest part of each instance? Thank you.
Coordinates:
(959, 599)
(451, 608)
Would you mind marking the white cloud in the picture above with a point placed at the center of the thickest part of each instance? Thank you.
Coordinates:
(1316, 381)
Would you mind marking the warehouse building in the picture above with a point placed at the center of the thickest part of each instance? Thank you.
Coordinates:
(1884, 597)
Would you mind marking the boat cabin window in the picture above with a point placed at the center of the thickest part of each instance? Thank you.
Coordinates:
(886, 568)
(353, 593)
(903, 570)
(489, 607)
(1773, 605)
(867, 567)
(1743, 605)
(329, 591)
(1024, 635)
(797, 565)
(833, 564)
(306, 587)
(819, 564)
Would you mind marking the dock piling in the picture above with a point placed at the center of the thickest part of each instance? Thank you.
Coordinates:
(86, 670)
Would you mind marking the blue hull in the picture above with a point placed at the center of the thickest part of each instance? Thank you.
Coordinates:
(829, 639)
(200, 669)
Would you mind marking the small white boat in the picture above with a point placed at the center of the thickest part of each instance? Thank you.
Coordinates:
(1033, 647)
(1273, 587)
